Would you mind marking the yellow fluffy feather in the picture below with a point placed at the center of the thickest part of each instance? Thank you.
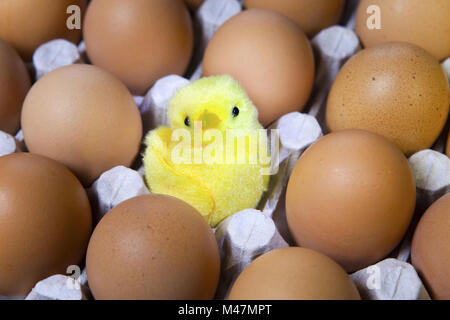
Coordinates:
(217, 188)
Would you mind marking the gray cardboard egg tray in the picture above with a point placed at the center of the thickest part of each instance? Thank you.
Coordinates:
(247, 234)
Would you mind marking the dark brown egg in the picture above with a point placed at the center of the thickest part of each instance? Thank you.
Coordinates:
(430, 253)
(153, 247)
(26, 24)
(351, 196)
(139, 41)
(294, 274)
(14, 85)
(45, 221)
(423, 23)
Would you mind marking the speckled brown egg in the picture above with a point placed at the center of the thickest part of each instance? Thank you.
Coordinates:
(139, 41)
(14, 85)
(45, 221)
(430, 252)
(26, 24)
(153, 247)
(271, 58)
(397, 90)
(351, 196)
(311, 15)
(294, 274)
(423, 23)
(83, 117)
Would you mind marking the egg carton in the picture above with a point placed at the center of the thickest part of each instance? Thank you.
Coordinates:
(247, 234)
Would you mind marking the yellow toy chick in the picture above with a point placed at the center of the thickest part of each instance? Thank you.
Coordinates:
(200, 158)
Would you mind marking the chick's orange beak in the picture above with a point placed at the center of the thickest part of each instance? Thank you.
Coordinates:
(209, 120)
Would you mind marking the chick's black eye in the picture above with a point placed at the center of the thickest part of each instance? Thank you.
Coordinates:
(235, 112)
(187, 122)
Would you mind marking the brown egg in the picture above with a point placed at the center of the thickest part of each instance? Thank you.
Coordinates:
(45, 221)
(311, 15)
(397, 90)
(423, 23)
(294, 274)
(430, 252)
(193, 4)
(271, 58)
(84, 118)
(139, 41)
(26, 24)
(153, 247)
(351, 196)
(14, 85)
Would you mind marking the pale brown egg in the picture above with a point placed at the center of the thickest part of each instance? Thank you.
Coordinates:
(14, 85)
(45, 221)
(26, 24)
(153, 247)
(83, 117)
(193, 4)
(311, 15)
(423, 23)
(430, 253)
(294, 274)
(397, 90)
(139, 41)
(351, 196)
(271, 58)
